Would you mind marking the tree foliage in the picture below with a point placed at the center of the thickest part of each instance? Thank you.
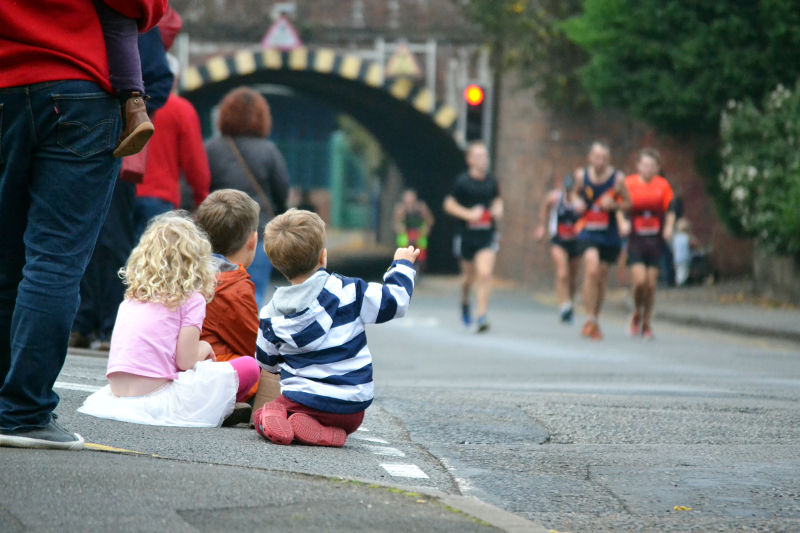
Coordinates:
(675, 64)
(761, 167)
(526, 36)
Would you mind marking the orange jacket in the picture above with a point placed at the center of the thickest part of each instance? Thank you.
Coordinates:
(231, 323)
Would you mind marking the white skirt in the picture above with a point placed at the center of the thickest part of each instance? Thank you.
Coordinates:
(200, 397)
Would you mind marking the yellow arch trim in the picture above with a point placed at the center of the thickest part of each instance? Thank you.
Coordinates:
(325, 61)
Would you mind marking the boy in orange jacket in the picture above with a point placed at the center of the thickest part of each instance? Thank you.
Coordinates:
(230, 219)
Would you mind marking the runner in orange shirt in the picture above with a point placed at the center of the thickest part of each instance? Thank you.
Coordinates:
(651, 222)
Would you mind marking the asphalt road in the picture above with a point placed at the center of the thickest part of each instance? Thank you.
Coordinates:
(567, 433)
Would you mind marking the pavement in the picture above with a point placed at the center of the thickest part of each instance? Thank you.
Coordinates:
(527, 428)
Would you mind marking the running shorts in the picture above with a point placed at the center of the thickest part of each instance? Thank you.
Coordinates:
(608, 254)
(469, 243)
(571, 247)
(646, 250)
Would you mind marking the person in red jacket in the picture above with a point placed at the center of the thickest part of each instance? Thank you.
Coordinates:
(177, 146)
(57, 171)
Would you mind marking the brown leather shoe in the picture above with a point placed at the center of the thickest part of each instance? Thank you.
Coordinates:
(138, 128)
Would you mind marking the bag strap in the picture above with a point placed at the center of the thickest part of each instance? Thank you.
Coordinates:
(267, 204)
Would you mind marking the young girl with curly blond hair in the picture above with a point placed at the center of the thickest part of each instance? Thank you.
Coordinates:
(159, 371)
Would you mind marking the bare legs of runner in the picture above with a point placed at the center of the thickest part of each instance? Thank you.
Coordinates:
(644, 294)
(566, 274)
(594, 290)
(478, 272)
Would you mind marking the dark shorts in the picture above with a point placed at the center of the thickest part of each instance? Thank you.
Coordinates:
(645, 250)
(571, 247)
(608, 254)
(466, 245)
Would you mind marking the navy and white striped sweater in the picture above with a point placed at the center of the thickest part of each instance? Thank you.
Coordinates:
(320, 348)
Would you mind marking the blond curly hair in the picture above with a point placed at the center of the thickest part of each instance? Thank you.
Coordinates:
(171, 262)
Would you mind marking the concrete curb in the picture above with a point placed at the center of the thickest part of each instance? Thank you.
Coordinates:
(726, 326)
(468, 505)
(492, 515)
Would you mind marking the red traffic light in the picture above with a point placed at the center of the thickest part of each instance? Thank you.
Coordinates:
(473, 94)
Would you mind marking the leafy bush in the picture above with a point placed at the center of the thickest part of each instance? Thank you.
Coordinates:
(761, 167)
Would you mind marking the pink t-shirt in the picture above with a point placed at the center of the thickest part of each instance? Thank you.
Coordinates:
(145, 336)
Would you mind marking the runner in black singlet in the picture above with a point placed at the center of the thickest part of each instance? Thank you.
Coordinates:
(475, 201)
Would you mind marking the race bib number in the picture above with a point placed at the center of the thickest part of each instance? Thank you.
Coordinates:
(646, 224)
(596, 219)
(485, 222)
(567, 232)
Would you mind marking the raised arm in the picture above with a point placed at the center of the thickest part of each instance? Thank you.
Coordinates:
(381, 303)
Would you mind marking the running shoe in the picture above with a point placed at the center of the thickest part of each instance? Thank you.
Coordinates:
(483, 324)
(634, 328)
(466, 315)
(587, 328)
(594, 332)
(566, 315)
(647, 333)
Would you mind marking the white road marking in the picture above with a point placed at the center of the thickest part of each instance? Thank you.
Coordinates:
(362, 429)
(400, 470)
(76, 386)
(368, 439)
(385, 450)
(418, 322)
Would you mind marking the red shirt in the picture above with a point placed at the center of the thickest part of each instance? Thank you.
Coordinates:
(61, 39)
(649, 203)
(176, 145)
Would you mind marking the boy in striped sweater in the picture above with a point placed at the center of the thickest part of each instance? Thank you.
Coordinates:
(312, 333)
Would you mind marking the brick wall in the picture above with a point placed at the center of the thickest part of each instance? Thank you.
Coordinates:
(535, 148)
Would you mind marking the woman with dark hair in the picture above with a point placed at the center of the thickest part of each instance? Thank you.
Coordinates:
(242, 158)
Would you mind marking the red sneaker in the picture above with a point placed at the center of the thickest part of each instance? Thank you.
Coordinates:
(635, 325)
(647, 333)
(271, 422)
(594, 333)
(587, 328)
(309, 431)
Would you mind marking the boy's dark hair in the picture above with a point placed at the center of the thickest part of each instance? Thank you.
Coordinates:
(229, 217)
(294, 241)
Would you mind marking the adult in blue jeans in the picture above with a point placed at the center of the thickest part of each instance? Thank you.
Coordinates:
(58, 127)
(102, 289)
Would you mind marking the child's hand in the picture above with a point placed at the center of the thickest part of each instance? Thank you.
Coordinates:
(409, 254)
(205, 351)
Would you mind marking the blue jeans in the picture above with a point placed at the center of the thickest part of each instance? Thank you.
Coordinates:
(260, 273)
(145, 208)
(56, 178)
(101, 288)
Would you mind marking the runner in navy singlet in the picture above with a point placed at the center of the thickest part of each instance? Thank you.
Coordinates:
(602, 187)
